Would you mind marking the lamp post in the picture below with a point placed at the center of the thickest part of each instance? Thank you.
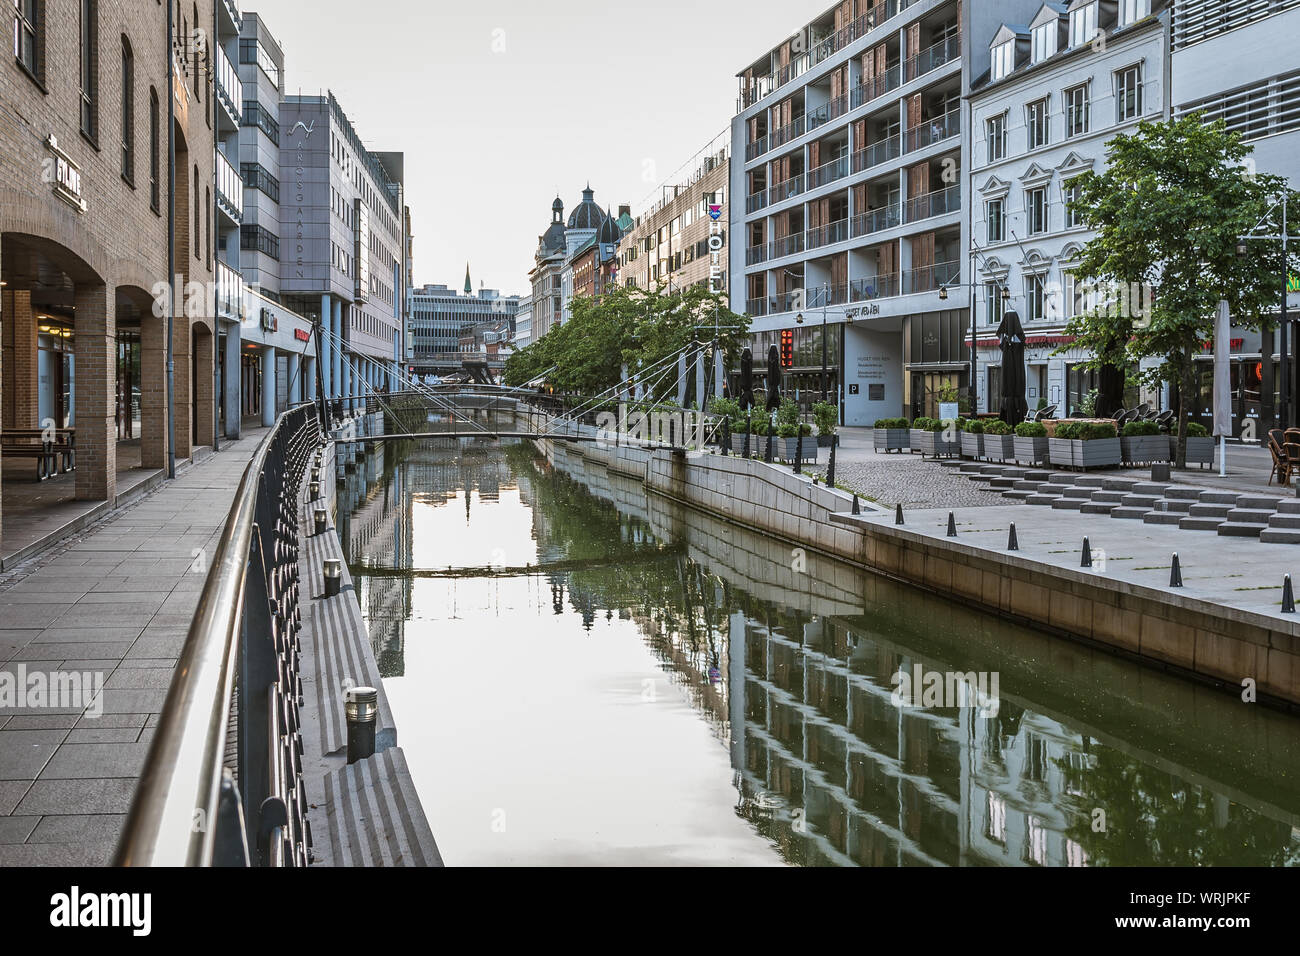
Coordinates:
(822, 382)
(1283, 347)
(974, 336)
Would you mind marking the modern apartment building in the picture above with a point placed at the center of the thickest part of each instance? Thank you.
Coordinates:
(84, 256)
(677, 242)
(342, 245)
(1238, 61)
(524, 322)
(440, 316)
(1059, 86)
(849, 219)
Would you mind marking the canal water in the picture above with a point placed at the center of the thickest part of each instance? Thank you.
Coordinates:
(582, 673)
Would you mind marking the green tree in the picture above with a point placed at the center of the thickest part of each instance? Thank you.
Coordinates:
(1169, 210)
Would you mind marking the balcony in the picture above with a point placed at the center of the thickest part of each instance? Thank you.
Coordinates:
(789, 131)
(933, 131)
(756, 201)
(876, 87)
(933, 57)
(755, 254)
(874, 287)
(230, 293)
(787, 190)
(875, 220)
(785, 302)
(827, 295)
(236, 20)
(937, 203)
(829, 172)
(827, 235)
(786, 246)
(930, 278)
(756, 307)
(878, 152)
(756, 149)
(827, 112)
(230, 189)
(230, 91)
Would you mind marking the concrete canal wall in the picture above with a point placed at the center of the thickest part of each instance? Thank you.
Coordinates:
(1201, 638)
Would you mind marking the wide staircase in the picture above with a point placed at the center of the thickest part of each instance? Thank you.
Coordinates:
(1270, 518)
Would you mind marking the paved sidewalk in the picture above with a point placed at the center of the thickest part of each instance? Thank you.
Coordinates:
(113, 606)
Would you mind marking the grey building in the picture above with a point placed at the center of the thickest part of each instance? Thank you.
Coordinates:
(441, 316)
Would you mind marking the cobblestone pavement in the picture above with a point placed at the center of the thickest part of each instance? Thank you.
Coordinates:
(909, 480)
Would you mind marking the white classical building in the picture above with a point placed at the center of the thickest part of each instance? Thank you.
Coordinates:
(1058, 89)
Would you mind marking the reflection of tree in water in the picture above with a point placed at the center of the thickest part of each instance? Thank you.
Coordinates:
(1154, 818)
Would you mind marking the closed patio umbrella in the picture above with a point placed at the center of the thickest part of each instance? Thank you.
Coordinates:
(773, 378)
(746, 380)
(1011, 338)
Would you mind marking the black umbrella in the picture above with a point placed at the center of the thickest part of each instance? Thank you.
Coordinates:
(773, 378)
(1011, 336)
(746, 380)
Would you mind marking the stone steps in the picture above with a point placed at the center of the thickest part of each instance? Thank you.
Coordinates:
(1130, 512)
(1163, 517)
(1241, 529)
(1280, 535)
(1146, 502)
(1098, 507)
(1069, 504)
(1281, 520)
(1109, 497)
(1200, 524)
(1040, 499)
(1203, 510)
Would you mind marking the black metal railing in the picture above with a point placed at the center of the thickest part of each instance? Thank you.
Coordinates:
(239, 663)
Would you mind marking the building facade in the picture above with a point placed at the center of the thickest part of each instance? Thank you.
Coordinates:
(849, 217)
(440, 318)
(1058, 88)
(84, 257)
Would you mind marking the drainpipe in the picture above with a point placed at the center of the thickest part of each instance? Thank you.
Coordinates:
(171, 241)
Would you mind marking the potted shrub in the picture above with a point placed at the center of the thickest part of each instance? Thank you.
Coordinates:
(891, 434)
(1200, 444)
(1030, 444)
(1142, 442)
(972, 437)
(790, 430)
(933, 437)
(827, 417)
(1084, 445)
(999, 443)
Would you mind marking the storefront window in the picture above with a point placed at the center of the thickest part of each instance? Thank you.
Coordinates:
(128, 385)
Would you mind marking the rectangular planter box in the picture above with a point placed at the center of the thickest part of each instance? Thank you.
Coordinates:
(1074, 453)
(738, 444)
(824, 441)
(999, 447)
(1030, 451)
(891, 439)
(1200, 450)
(786, 448)
(932, 444)
(1144, 449)
(972, 445)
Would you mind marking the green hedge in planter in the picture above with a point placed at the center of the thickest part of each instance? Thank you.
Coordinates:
(1085, 431)
(788, 430)
(826, 416)
(1031, 430)
(891, 423)
(928, 425)
(971, 426)
(1194, 430)
(1139, 429)
(997, 427)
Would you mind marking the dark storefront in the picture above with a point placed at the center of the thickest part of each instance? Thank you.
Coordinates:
(937, 358)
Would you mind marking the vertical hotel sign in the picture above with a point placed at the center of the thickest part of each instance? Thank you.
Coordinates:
(362, 219)
(299, 190)
(715, 244)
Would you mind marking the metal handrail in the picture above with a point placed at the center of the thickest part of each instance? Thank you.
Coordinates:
(174, 814)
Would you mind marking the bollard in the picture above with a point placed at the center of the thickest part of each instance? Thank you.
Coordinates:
(1160, 471)
(830, 465)
(1087, 555)
(333, 577)
(315, 473)
(857, 508)
(313, 489)
(798, 453)
(952, 525)
(361, 707)
(898, 513)
(1175, 573)
(1012, 543)
(321, 518)
(1288, 596)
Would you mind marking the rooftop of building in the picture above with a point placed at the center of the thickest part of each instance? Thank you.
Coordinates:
(388, 188)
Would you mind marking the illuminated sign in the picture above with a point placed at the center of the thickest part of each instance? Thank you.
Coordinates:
(302, 335)
(787, 348)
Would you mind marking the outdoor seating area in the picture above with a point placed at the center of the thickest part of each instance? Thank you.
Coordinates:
(1284, 448)
(54, 450)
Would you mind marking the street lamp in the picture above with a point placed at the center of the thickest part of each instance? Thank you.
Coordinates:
(1284, 351)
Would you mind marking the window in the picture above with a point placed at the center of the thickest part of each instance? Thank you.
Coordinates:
(1070, 193)
(1083, 25)
(29, 35)
(1035, 297)
(198, 222)
(997, 137)
(89, 70)
(1076, 111)
(996, 216)
(154, 145)
(258, 239)
(995, 389)
(1131, 11)
(1044, 41)
(1004, 59)
(255, 176)
(1036, 120)
(1036, 210)
(207, 232)
(1128, 93)
(128, 113)
(993, 304)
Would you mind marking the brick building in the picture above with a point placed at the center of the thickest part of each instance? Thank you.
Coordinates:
(84, 107)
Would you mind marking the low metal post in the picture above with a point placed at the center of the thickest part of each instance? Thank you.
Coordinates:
(321, 519)
(361, 707)
(333, 576)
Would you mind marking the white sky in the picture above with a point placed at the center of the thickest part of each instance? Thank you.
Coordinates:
(621, 93)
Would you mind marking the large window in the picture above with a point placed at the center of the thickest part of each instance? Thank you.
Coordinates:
(1076, 111)
(1070, 194)
(1036, 122)
(996, 129)
(1036, 210)
(1004, 59)
(89, 69)
(1044, 41)
(996, 216)
(1128, 93)
(128, 113)
(993, 302)
(1083, 25)
(1131, 11)
(29, 30)
(1035, 298)
(995, 389)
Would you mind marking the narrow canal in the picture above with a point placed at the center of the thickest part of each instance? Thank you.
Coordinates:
(584, 673)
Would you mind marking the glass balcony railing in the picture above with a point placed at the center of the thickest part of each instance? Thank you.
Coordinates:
(828, 234)
(755, 254)
(874, 287)
(930, 278)
(786, 245)
(756, 306)
(879, 152)
(229, 88)
(230, 292)
(933, 57)
(230, 188)
(937, 203)
(756, 201)
(875, 220)
(933, 131)
(781, 191)
(829, 172)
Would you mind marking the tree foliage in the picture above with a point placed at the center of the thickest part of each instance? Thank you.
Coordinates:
(1169, 210)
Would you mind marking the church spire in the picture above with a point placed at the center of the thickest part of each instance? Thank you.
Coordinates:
(469, 286)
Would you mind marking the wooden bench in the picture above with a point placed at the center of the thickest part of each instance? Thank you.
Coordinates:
(55, 449)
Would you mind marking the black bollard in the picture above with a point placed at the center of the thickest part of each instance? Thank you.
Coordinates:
(898, 514)
(1175, 573)
(830, 465)
(767, 456)
(1087, 555)
(952, 525)
(857, 508)
(361, 707)
(1012, 543)
(1288, 596)
(726, 436)
(798, 452)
